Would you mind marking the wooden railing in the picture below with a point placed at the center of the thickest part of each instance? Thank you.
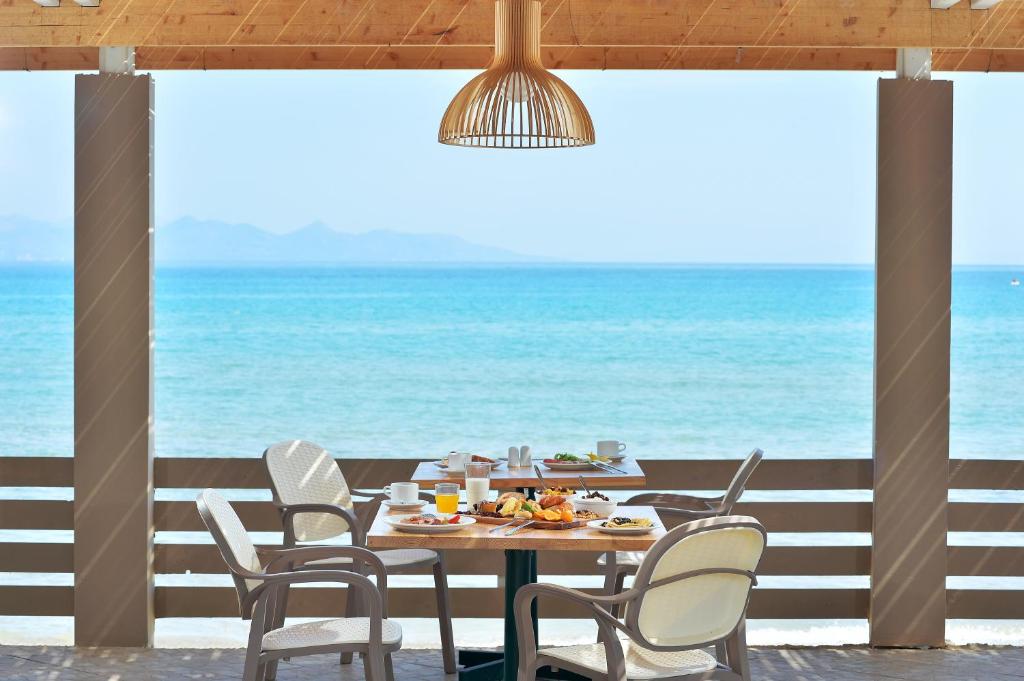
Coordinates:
(782, 516)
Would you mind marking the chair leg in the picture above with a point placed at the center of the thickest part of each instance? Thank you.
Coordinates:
(280, 606)
(389, 667)
(254, 670)
(736, 651)
(444, 617)
(373, 667)
(720, 653)
(351, 610)
(620, 580)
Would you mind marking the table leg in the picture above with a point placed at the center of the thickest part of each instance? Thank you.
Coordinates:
(520, 569)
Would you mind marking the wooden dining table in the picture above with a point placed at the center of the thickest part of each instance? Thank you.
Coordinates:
(520, 569)
(428, 474)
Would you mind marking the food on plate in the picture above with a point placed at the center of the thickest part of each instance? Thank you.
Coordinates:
(586, 515)
(595, 495)
(431, 519)
(598, 457)
(622, 523)
(487, 508)
(566, 457)
(564, 491)
(549, 500)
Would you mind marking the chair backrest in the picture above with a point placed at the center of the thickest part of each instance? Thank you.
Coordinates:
(231, 538)
(739, 481)
(701, 608)
(305, 473)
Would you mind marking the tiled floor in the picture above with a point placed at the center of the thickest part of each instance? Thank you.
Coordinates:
(796, 664)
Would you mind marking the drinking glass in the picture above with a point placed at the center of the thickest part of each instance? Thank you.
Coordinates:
(446, 496)
(478, 484)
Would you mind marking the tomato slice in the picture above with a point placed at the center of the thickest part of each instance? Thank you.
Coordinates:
(454, 520)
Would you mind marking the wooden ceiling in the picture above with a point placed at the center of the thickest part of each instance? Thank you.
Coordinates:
(590, 34)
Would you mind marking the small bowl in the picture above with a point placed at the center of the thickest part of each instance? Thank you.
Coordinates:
(601, 508)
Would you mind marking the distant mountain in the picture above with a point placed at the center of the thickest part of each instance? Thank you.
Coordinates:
(192, 241)
(26, 240)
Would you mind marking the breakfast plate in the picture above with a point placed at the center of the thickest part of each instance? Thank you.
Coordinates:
(403, 523)
(568, 465)
(602, 525)
(404, 505)
(443, 465)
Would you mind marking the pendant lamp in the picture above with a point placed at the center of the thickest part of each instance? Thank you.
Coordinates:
(516, 103)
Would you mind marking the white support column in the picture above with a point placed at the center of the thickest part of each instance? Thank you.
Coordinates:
(914, 63)
(119, 60)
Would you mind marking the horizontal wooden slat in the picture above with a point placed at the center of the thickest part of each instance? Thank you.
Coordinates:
(488, 602)
(249, 473)
(994, 604)
(985, 517)
(986, 561)
(40, 601)
(599, 23)
(36, 471)
(697, 57)
(33, 557)
(775, 474)
(36, 515)
(778, 560)
(986, 474)
(260, 516)
(772, 474)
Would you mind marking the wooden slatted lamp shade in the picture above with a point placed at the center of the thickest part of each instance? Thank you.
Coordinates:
(516, 103)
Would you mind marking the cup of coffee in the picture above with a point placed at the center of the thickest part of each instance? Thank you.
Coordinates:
(610, 448)
(403, 492)
(457, 461)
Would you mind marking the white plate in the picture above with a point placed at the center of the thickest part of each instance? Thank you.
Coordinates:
(596, 525)
(404, 505)
(567, 466)
(397, 523)
(443, 466)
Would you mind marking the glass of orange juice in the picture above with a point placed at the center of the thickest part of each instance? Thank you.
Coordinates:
(446, 496)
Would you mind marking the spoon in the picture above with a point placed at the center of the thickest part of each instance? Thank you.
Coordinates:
(584, 485)
(540, 478)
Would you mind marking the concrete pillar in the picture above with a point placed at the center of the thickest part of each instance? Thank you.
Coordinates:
(113, 360)
(912, 337)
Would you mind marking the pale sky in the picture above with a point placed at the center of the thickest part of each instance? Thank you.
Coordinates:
(688, 166)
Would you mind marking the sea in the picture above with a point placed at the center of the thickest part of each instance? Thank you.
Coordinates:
(414, 361)
(676, 361)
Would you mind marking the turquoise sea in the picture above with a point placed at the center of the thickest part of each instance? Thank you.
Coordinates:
(403, 361)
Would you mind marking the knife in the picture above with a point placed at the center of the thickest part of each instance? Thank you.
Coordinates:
(607, 468)
(517, 529)
(540, 478)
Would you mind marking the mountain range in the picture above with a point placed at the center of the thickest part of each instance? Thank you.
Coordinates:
(192, 241)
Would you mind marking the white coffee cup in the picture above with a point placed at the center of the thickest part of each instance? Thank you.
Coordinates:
(403, 492)
(457, 461)
(610, 447)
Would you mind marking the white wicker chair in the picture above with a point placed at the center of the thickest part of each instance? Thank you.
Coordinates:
(315, 503)
(691, 592)
(259, 588)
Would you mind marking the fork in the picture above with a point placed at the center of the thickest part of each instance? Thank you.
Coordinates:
(502, 527)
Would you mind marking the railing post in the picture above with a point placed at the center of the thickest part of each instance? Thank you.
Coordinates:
(912, 345)
(113, 466)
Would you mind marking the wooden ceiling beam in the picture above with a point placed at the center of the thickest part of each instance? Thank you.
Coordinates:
(454, 57)
(469, 23)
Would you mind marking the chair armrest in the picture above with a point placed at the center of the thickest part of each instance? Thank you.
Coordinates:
(289, 511)
(606, 623)
(287, 560)
(376, 595)
(679, 502)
